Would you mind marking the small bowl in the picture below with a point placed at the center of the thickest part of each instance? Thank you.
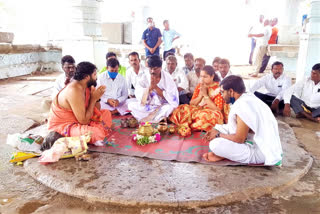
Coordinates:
(162, 127)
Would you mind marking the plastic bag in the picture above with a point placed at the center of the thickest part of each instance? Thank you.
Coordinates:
(25, 143)
(65, 147)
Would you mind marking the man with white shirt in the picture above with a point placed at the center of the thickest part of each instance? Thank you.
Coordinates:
(253, 29)
(135, 72)
(116, 93)
(262, 43)
(215, 64)
(194, 76)
(68, 66)
(189, 63)
(179, 78)
(157, 95)
(251, 135)
(304, 97)
(224, 69)
(276, 84)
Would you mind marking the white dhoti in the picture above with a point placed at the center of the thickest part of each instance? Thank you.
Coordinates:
(239, 152)
(262, 145)
(152, 114)
(122, 108)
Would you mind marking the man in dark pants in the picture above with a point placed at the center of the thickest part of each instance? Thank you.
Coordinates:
(151, 39)
(304, 97)
(273, 40)
(275, 83)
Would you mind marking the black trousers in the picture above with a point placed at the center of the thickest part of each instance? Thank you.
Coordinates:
(184, 99)
(296, 104)
(264, 64)
(267, 99)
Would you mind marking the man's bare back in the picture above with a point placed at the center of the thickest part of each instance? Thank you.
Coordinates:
(72, 97)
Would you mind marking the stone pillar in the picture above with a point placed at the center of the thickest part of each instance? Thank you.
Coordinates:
(309, 52)
(83, 38)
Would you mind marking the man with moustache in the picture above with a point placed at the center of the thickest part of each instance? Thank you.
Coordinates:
(76, 110)
(151, 39)
(157, 94)
(251, 135)
(224, 69)
(276, 83)
(194, 76)
(68, 66)
(135, 72)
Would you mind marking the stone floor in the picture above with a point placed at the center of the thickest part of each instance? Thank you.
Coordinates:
(21, 100)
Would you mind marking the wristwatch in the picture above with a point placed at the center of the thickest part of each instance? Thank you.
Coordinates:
(218, 135)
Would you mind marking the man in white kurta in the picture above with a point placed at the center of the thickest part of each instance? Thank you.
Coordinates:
(224, 69)
(179, 77)
(275, 83)
(68, 66)
(251, 135)
(157, 95)
(304, 97)
(116, 93)
(135, 71)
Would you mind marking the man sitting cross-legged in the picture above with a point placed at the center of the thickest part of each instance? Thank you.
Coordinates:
(251, 135)
(116, 94)
(275, 83)
(304, 97)
(157, 94)
(75, 109)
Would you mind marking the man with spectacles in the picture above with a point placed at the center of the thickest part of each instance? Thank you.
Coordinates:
(68, 66)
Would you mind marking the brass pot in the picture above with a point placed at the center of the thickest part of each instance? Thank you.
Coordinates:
(172, 129)
(162, 127)
(146, 130)
(132, 122)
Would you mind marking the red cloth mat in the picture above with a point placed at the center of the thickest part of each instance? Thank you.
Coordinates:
(171, 146)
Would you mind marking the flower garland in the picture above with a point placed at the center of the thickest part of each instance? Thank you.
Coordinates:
(142, 140)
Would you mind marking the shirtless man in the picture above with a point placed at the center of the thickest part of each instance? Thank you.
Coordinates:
(76, 111)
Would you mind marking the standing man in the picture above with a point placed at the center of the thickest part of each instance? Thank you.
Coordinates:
(189, 62)
(151, 39)
(253, 40)
(116, 93)
(68, 66)
(276, 83)
(262, 43)
(304, 97)
(273, 40)
(112, 55)
(135, 72)
(169, 35)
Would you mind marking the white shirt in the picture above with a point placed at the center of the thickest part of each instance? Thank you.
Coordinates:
(179, 78)
(166, 83)
(259, 118)
(221, 78)
(131, 78)
(263, 41)
(275, 87)
(115, 89)
(193, 81)
(305, 90)
(58, 85)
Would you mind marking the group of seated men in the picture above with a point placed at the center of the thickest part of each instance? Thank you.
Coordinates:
(151, 93)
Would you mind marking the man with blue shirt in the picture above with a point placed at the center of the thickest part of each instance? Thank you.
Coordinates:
(169, 35)
(151, 39)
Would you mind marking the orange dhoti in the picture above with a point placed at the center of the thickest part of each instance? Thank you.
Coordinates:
(65, 123)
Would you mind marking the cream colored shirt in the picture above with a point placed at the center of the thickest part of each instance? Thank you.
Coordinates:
(193, 81)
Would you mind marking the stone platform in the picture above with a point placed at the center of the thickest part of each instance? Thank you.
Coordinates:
(132, 181)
